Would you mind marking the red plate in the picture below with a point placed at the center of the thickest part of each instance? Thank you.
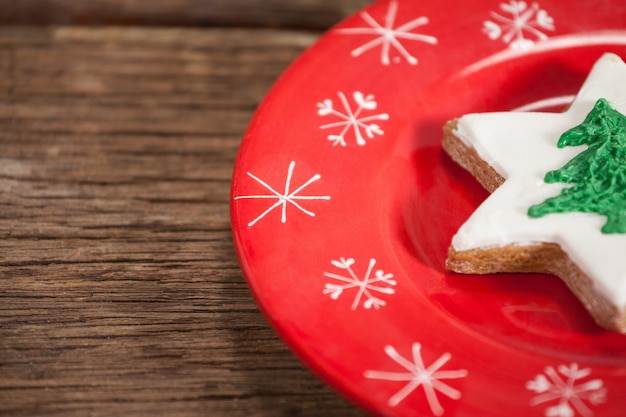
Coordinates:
(343, 207)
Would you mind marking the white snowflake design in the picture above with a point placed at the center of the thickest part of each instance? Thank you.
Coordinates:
(429, 378)
(387, 36)
(350, 119)
(563, 385)
(284, 198)
(381, 282)
(520, 21)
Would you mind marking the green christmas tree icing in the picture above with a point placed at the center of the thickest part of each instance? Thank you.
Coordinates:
(598, 173)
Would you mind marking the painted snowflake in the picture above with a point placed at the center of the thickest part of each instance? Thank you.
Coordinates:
(520, 21)
(387, 36)
(563, 387)
(351, 119)
(365, 287)
(284, 198)
(417, 375)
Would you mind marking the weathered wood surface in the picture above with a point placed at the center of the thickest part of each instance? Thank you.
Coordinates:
(120, 292)
(299, 14)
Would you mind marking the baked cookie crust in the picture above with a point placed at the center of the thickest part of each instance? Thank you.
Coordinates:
(536, 258)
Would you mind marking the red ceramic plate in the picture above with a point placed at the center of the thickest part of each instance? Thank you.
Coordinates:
(343, 207)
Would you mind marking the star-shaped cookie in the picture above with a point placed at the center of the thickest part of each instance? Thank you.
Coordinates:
(510, 153)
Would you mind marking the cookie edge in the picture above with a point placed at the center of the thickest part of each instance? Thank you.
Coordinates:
(546, 258)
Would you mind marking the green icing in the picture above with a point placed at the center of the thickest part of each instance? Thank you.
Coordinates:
(598, 173)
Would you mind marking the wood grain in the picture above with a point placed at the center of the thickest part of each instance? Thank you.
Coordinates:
(301, 14)
(120, 293)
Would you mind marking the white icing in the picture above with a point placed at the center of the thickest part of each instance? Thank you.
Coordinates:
(522, 148)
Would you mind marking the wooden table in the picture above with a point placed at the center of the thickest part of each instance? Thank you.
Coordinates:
(120, 292)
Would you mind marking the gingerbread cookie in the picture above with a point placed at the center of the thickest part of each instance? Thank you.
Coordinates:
(558, 184)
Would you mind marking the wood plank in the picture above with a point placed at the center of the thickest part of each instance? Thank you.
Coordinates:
(303, 14)
(120, 292)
